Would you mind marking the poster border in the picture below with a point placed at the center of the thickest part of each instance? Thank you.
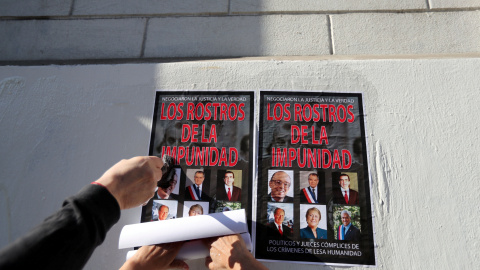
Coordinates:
(367, 167)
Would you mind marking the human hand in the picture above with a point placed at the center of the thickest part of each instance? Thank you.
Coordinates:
(133, 181)
(157, 257)
(230, 252)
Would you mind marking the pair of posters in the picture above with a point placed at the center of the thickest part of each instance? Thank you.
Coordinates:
(295, 161)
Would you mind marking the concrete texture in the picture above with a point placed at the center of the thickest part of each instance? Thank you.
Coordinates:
(112, 7)
(434, 4)
(237, 36)
(241, 6)
(404, 33)
(35, 7)
(62, 126)
(71, 39)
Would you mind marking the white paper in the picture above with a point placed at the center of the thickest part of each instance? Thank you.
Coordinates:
(182, 229)
(196, 249)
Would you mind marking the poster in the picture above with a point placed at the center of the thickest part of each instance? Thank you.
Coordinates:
(209, 135)
(313, 192)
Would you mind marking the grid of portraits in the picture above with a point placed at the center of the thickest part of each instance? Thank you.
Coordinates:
(196, 191)
(312, 204)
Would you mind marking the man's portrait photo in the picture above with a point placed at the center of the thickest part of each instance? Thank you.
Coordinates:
(168, 190)
(344, 192)
(164, 209)
(196, 186)
(280, 220)
(229, 186)
(347, 223)
(280, 186)
(313, 190)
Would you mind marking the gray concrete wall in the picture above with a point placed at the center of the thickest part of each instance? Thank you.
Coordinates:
(416, 61)
(150, 29)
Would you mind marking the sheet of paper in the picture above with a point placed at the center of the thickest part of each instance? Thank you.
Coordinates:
(182, 229)
(196, 249)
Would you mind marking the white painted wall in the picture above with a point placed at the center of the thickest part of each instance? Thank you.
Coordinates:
(62, 126)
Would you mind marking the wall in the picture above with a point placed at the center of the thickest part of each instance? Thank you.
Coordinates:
(61, 127)
(77, 82)
(150, 29)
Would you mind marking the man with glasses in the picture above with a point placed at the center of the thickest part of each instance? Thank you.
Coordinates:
(280, 184)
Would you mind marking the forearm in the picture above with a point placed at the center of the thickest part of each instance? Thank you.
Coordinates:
(66, 239)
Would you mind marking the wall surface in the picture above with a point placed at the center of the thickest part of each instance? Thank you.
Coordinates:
(79, 30)
(77, 82)
(62, 126)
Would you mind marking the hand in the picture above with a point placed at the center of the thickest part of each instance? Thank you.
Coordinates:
(156, 257)
(230, 252)
(133, 181)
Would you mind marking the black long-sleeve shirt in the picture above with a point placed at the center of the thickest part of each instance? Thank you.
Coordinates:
(67, 239)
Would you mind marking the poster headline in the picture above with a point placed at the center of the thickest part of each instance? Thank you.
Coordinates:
(209, 114)
(306, 135)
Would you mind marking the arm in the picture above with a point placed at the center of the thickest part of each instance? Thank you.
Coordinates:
(66, 239)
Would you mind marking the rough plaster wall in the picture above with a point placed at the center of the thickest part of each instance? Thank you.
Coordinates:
(62, 126)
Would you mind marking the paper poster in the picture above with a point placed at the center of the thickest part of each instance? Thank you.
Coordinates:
(209, 136)
(313, 191)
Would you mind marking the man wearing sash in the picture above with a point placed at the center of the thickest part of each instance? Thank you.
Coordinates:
(312, 194)
(347, 231)
(195, 192)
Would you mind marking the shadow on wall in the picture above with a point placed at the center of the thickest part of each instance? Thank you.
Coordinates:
(62, 127)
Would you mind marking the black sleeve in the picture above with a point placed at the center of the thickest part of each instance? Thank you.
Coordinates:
(67, 239)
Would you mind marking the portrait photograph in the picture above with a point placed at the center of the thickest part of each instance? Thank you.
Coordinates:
(164, 209)
(280, 186)
(198, 207)
(348, 217)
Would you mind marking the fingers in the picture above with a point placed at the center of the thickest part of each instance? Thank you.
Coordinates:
(209, 262)
(178, 264)
(156, 164)
(209, 241)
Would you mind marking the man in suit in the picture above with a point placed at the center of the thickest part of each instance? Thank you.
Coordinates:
(312, 193)
(345, 195)
(165, 188)
(195, 192)
(347, 231)
(280, 184)
(229, 192)
(277, 228)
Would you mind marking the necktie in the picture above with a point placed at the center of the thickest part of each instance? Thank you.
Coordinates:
(197, 190)
(343, 232)
(229, 194)
(312, 191)
(346, 197)
(280, 229)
